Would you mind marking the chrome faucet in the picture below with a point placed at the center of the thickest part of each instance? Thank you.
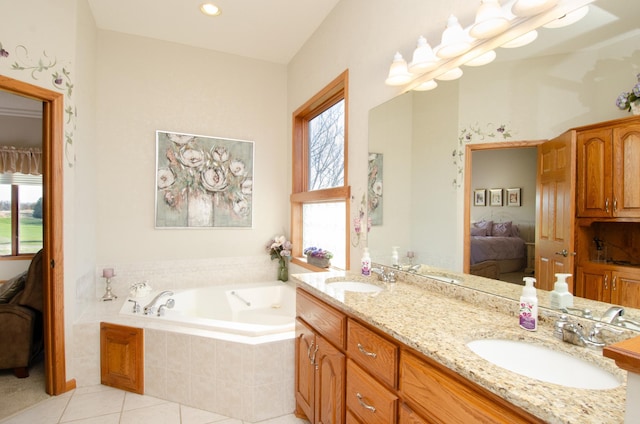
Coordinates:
(610, 316)
(150, 309)
(388, 276)
(574, 333)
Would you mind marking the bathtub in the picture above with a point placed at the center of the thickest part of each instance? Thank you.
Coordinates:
(252, 309)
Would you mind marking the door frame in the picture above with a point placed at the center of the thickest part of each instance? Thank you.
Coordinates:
(52, 209)
(469, 149)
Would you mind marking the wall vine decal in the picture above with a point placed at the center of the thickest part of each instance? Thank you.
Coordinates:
(60, 80)
(473, 134)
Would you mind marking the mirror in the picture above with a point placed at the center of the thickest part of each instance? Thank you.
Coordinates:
(568, 77)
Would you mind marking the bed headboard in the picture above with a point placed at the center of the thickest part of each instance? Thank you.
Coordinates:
(526, 228)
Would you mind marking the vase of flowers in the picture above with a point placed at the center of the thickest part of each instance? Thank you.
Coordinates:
(280, 248)
(630, 100)
(318, 257)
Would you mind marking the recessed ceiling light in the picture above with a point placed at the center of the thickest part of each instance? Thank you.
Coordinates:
(210, 9)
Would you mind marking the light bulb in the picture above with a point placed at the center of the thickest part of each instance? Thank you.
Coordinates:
(423, 57)
(490, 20)
(398, 71)
(454, 40)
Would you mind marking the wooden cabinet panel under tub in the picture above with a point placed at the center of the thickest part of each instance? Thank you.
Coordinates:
(122, 357)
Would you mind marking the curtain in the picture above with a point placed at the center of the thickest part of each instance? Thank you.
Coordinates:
(23, 160)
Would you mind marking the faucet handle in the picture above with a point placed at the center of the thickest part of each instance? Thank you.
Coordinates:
(559, 325)
(136, 306)
(598, 328)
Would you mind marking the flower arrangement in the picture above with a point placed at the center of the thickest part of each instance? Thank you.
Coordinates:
(626, 99)
(318, 257)
(280, 248)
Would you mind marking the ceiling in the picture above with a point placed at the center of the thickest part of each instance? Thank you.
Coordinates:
(270, 30)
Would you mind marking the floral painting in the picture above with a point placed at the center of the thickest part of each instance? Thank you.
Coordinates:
(374, 209)
(203, 181)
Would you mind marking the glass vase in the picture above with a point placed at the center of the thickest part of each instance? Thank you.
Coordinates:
(283, 270)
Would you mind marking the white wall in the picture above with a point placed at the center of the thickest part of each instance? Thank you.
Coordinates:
(144, 85)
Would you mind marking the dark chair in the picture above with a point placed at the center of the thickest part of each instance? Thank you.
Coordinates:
(21, 327)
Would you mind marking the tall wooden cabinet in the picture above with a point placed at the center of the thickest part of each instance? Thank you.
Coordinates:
(608, 210)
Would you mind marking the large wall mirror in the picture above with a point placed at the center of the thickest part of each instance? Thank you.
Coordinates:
(417, 141)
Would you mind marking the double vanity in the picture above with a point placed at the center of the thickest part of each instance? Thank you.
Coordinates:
(419, 350)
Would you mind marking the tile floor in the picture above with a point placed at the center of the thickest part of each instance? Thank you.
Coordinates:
(105, 405)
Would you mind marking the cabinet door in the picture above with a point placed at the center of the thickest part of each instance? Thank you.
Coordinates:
(594, 284)
(305, 370)
(330, 377)
(625, 289)
(594, 177)
(122, 357)
(626, 166)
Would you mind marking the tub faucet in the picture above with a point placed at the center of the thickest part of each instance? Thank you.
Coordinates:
(150, 309)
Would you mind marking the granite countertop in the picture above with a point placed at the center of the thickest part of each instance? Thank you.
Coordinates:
(439, 319)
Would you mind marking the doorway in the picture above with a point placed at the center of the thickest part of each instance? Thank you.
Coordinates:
(52, 211)
(511, 169)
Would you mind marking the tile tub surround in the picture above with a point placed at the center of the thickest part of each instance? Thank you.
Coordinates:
(263, 378)
(438, 319)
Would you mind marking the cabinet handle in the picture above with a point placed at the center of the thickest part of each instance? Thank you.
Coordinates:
(613, 283)
(364, 351)
(615, 205)
(606, 282)
(606, 205)
(364, 404)
(313, 357)
(309, 350)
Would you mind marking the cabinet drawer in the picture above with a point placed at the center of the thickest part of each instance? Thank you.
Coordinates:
(372, 352)
(327, 321)
(407, 416)
(367, 399)
(441, 397)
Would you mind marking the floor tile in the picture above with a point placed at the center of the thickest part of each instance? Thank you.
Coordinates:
(198, 416)
(103, 419)
(46, 412)
(135, 401)
(167, 413)
(93, 404)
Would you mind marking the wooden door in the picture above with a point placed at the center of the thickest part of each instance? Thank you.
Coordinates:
(555, 210)
(305, 370)
(625, 289)
(330, 379)
(593, 284)
(626, 171)
(594, 176)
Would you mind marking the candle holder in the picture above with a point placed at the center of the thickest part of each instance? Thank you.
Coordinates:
(108, 274)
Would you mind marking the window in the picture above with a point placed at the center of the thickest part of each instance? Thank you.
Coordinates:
(20, 214)
(319, 201)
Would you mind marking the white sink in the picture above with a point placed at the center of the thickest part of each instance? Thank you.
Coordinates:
(354, 286)
(544, 364)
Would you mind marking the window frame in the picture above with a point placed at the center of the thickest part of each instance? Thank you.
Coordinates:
(330, 95)
(15, 227)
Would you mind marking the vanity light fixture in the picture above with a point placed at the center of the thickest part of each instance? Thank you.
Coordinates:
(424, 59)
(523, 40)
(490, 20)
(399, 72)
(483, 59)
(459, 47)
(450, 75)
(568, 19)
(531, 7)
(210, 9)
(455, 40)
(426, 86)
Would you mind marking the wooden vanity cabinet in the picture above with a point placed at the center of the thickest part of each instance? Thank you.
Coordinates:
(609, 284)
(320, 366)
(608, 170)
(365, 377)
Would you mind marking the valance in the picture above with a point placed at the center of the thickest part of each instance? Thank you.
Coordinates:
(23, 160)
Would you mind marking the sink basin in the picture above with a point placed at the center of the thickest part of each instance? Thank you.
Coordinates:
(355, 286)
(544, 364)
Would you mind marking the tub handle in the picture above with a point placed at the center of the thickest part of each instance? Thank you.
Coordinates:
(136, 306)
(245, 301)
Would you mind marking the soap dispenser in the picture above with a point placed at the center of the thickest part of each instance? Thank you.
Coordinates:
(560, 296)
(394, 257)
(529, 305)
(366, 262)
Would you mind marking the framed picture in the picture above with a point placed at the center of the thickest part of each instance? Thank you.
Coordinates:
(203, 182)
(495, 197)
(480, 197)
(513, 197)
